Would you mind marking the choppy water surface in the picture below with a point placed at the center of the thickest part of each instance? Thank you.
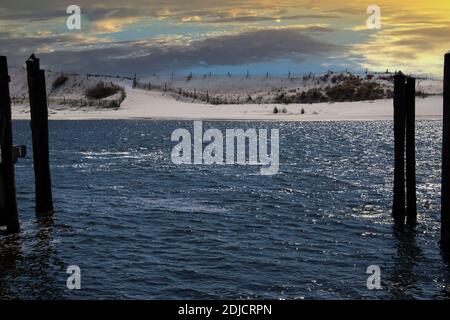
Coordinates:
(142, 227)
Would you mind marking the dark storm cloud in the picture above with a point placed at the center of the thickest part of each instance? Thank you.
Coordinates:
(17, 48)
(265, 18)
(247, 47)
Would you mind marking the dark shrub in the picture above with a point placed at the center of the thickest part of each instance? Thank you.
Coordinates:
(101, 91)
(325, 77)
(351, 90)
(284, 98)
(341, 92)
(59, 81)
(313, 95)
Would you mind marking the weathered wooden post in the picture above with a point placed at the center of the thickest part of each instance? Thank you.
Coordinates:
(134, 81)
(39, 128)
(399, 211)
(411, 198)
(445, 200)
(8, 203)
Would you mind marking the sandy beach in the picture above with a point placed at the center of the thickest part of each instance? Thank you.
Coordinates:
(155, 105)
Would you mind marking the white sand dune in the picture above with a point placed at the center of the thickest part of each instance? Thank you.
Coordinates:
(155, 105)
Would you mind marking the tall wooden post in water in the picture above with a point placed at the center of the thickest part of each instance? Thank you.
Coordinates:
(445, 200)
(39, 128)
(398, 209)
(9, 216)
(411, 198)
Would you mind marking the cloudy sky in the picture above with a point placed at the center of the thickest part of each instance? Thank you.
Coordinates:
(156, 36)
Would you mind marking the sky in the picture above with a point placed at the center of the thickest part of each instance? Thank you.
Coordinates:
(160, 37)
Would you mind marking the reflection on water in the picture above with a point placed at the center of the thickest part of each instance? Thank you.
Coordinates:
(445, 292)
(9, 252)
(139, 226)
(404, 277)
(28, 262)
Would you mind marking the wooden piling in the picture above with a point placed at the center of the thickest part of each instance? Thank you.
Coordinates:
(445, 197)
(134, 82)
(39, 128)
(411, 197)
(399, 211)
(9, 214)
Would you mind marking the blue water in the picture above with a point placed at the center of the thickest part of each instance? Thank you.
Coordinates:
(139, 226)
